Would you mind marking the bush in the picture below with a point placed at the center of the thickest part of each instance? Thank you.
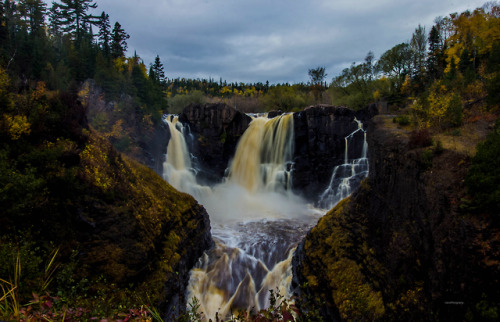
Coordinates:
(178, 102)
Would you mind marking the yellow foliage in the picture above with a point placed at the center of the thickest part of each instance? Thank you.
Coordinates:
(120, 64)
(39, 91)
(17, 125)
(95, 165)
(117, 130)
(439, 101)
(225, 89)
(376, 95)
(354, 298)
(453, 56)
(477, 32)
(83, 94)
(406, 87)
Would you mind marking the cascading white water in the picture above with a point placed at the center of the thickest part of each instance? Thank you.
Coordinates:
(256, 220)
(177, 168)
(346, 177)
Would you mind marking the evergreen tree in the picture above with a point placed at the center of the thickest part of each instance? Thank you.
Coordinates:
(104, 33)
(435, 52)
(33, 12)
(419, 47)
(118, 41)
(72, 16)
(156, 72)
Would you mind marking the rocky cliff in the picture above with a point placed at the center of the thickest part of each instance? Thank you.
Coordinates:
(216, 129)
(320, 133)
(125, 236)
(319, 141)
(401, 248)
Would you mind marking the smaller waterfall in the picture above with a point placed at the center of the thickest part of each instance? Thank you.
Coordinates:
(177, 169)
(346, 177)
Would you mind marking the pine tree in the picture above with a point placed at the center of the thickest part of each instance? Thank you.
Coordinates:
(118, 41)
(419, 48)
(104, 33)
(156, 72)
(72, 16)
(33, 12)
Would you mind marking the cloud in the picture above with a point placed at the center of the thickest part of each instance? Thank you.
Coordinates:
(277, 40)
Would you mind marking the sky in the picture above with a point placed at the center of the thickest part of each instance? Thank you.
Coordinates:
(269, 40)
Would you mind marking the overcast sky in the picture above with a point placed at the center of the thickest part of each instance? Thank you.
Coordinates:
(275, 40)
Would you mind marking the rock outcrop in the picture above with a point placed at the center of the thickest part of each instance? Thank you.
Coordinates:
(401, 248)
(216, 129)
(320, 133)
(135, 227)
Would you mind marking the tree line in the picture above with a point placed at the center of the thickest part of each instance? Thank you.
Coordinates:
(436, 73)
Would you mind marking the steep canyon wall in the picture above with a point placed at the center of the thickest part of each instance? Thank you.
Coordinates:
(401, 248)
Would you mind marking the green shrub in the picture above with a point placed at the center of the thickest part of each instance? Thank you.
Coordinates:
(177, 103)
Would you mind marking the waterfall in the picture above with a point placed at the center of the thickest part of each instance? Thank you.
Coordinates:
(256, 219)
(346, 177)
(263, 158)
(177, 168)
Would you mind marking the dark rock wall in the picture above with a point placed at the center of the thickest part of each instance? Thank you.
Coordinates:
(320, 133)
(319, 141)
(216, 129)
(411, 253)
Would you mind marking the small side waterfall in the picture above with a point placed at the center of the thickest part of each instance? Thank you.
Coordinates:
(256, 219)
(177, 168)
(346, 177)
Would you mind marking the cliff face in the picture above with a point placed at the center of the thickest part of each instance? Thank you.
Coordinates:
(320, 133)
(134, 227)
(400, 248)
(217, 129)
(319, 142)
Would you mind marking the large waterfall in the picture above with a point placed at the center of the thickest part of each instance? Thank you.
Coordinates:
(256, 219)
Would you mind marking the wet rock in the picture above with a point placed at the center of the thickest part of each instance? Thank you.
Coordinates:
(216, 129)
(320, 133)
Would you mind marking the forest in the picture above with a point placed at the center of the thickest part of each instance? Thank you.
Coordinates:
(54, 59)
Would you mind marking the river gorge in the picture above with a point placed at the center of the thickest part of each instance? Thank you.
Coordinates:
(257, 214)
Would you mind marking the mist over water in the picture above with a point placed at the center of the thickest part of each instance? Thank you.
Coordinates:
(256, 219)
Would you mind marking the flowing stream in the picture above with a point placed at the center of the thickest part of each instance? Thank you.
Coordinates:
(256, 219)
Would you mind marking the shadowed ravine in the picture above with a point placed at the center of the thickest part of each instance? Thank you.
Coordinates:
(256, 219)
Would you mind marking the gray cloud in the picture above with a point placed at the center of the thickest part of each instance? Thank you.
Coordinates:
(275, 40)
